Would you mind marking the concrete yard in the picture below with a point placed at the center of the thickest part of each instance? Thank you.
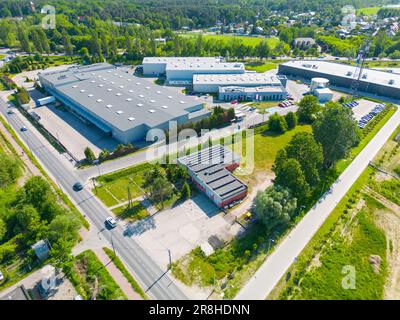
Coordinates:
(364, 107)
(74, 134)
(181, 229)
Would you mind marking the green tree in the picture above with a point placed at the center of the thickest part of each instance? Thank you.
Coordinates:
(9, 170)
(89, 155)
(27, 220)
(289, 174)
(308, 109)
(308, 153)
(291, 120)
(35, 192)
(185, 191)
(3, 229)
(160, 190)
(275, 207)
(277, 123)
(336, 130)
(66, 41)
(22, 37)
(63, 228)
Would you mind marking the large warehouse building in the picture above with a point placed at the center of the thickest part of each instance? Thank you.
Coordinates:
(180, 71)
(206, 83)
(372, 81)
(210, 169)
(119, 103)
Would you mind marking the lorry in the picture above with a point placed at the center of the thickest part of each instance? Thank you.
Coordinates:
(44, 101)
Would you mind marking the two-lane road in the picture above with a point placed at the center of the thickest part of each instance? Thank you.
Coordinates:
(157, 283)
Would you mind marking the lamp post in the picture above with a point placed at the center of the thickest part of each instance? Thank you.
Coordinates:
(269, 244)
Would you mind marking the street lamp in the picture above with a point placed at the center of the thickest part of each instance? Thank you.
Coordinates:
(269, 244)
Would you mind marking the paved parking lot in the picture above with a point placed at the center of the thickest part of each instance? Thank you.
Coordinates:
(74, 134)
(364, 107)
(181, 229)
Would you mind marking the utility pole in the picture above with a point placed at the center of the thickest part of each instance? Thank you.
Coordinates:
(112, 244)
(170, 259)
(129, 198)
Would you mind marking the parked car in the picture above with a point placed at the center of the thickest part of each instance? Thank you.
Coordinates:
(23, 128)
(111, 222)
(77, 186)
(234, 102)
(10, 111)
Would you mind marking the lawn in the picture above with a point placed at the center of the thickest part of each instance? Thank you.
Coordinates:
(368, 11)
(113, 187)
(265, 104)
(248, 41)
(263, 66)
(135, 212)
(266, 146)
(89, 275)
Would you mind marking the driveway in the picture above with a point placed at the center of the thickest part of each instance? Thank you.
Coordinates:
(181, 229)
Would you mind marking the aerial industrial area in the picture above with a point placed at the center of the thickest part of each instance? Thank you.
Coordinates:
(163, 163)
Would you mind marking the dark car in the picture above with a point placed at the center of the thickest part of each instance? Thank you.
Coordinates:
(77, 186)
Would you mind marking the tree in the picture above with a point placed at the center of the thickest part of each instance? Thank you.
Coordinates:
(3, 229)
(160, 189)
(336, 130)
(308, 109)
(277, 123)
(291, 120)
(66, 41)
(63, 228)
(23, 39)
(275, 207)
(89, 155)
(290, 175)
(308, 153)
(9, 170)
(36, 192)
(104, 154)
(185, 191)
(27, 220)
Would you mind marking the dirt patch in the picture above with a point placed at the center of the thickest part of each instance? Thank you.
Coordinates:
(375, 262)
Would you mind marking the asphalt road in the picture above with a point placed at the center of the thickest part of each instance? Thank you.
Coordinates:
(276, 265)
(153, 280)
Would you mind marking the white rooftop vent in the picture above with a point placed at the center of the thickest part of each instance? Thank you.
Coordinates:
(169, 97)
(148, 88)
(121, 87)
(130, 91)
(115, 74)
(109, 106)
(140, 104)
(152, 111)
(118, 94)
(112, 82)
(152, 101)
(140, 95)
(119, 112)
(90, 95)
(93, 81)
(74, 86)
(104, 79)
(137, 83)
(158, 92)
(131, 118)
(83, 90)
(182, 102)
(128, 99)
(109, 89)
(93, 73)
(109, 71)
(100, 85)
(121, 76)
(129, 80)
(99, 100)
(164, 107)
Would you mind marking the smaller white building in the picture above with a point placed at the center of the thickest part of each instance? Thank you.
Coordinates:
(267, 93)
(323, 94)
(210, 83)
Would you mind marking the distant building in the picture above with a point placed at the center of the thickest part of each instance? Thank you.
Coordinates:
(210, 83)
(210, 169)
(304, 43)
(267, 93)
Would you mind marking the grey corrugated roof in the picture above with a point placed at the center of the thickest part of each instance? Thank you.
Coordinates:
(248, 78)
(216, 154)
(277, 89)
(119, 98)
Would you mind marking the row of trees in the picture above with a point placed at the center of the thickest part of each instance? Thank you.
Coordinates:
(301, 167)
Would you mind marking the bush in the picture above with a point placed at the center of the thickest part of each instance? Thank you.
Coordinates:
(291, 120)
(277, 123)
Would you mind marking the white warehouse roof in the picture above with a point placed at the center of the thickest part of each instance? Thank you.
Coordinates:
(239, 79)
(342, 70)
(148, 60)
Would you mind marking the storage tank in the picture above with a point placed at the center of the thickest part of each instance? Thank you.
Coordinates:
(318, 83)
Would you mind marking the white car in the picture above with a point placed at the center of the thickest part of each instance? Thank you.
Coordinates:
(111, 222)
(1, 276)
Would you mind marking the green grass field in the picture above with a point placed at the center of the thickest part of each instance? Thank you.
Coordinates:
(263, 66)
(248, 41)
(113, 189)
(134, 213)
(266, 146)
(368, 11)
